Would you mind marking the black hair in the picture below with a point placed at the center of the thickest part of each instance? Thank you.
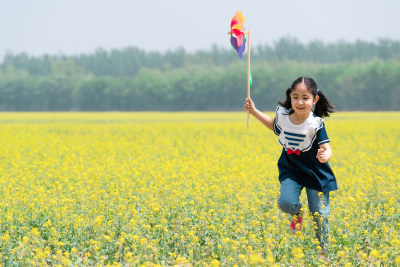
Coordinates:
(323, 107)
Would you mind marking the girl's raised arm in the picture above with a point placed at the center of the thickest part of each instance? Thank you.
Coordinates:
(264, 119)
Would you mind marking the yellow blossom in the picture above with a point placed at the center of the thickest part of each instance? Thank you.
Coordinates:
(162, 188)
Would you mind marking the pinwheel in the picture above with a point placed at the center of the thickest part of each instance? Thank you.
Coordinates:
(238, 38)
(238, 42)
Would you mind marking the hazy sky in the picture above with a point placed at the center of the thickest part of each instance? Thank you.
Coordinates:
(81, 26)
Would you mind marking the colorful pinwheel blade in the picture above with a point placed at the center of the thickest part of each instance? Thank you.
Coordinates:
(238, 35)
(239, 19)
(239, 48)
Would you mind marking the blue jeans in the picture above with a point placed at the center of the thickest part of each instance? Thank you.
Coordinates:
(318, 205)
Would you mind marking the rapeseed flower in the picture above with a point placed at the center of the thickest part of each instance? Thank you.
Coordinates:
(152, 189)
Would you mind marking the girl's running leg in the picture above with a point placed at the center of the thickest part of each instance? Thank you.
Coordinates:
(319, 206)
(289, 197)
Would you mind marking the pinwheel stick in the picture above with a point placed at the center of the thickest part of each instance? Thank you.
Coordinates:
(248, 75)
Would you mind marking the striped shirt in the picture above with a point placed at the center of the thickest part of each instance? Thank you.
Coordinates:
(299, 137)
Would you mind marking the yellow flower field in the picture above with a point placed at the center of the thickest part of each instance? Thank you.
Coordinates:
(187, 189)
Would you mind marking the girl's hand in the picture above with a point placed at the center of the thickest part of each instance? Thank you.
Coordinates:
(249, 105)
(324, 153)
(323, 156)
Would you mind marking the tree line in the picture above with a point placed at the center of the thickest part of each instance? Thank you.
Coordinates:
(355, 76)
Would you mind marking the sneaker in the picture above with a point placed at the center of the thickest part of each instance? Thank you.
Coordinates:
(296, 223)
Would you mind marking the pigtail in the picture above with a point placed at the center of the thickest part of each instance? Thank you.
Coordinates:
(323, 108)
(287, 103)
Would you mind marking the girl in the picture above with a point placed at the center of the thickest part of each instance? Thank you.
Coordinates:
(305, 153)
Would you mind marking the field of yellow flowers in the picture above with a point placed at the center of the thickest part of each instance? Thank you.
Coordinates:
(187, 189)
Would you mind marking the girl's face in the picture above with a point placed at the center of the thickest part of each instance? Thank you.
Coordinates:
(302, 99)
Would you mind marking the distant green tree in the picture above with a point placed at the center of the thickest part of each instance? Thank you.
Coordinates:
(66, 68)
(127, 62)
(355, 76)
